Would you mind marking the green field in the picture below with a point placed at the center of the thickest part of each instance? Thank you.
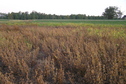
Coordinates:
(62, 51)
(60, 21)
(67, 23)
(122, 22)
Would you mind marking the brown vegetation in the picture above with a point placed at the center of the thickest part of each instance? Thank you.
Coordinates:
(39, 55)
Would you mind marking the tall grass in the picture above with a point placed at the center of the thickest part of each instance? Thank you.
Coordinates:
(62, 55)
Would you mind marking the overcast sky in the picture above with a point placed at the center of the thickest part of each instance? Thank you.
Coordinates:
(61, 7)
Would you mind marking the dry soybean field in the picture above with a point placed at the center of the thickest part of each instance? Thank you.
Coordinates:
(62, 51)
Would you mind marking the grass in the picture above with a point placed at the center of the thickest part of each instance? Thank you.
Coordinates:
(62, 24)
(65, 21)
(71, 53)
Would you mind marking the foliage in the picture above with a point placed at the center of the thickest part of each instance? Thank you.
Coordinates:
(37, 15)
(112, 12)
(68, 54)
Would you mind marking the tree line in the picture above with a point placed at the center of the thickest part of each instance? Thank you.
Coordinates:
(111, 12)
(38, 15)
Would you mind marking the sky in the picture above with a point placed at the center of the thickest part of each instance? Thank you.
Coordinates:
(61, 7)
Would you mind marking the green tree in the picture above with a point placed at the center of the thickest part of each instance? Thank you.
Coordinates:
(72, 16)
(119, 14)
(10, 15)
(112, 12)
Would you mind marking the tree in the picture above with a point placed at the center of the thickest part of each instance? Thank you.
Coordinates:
(3, 15)
(119, 14)
(112, 12)
(10, 15)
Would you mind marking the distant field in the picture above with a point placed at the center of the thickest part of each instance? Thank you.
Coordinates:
(110, 22)
(122, 22)
(62, 51)
(67, 23)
